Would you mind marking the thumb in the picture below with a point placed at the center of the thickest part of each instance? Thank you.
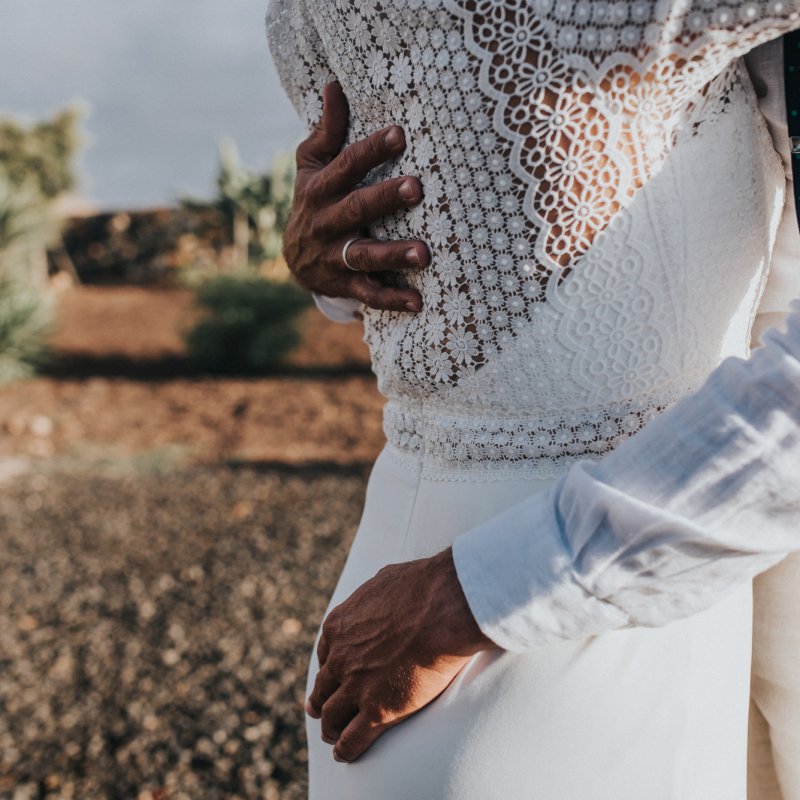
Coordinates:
(328, 136)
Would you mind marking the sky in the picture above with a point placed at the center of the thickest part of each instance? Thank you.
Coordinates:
(163, 82)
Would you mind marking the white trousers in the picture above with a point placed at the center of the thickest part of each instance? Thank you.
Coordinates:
(774, 745)
(637, 714)
(774, 757)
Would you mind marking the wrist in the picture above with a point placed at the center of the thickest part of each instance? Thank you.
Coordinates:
(456, 627)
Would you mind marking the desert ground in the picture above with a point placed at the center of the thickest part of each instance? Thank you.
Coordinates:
(168, 544)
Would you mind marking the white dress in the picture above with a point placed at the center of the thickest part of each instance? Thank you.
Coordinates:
(601, 202)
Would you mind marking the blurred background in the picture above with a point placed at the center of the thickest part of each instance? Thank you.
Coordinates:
(184, 440)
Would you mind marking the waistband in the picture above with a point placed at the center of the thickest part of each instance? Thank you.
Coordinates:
(481, 445)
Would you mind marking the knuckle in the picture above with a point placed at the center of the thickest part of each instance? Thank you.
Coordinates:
(374, 706)
(330, 624)
(353, 206)
(290, 233)
(377, 260)
(388, 571)
(315, 188)
(317, 227)
(374, 146)
(357, 291)
(359, 257)
(335, 667)
(346, 747)
(303, 153)
(320, 225)
(348, 159)
(388, 192)
(316, 691)
(373, 712)
(326, 717)
(308, 191)
(333, 615)
(328, 733)
(292, 221)
(296, 267)
(369, 296)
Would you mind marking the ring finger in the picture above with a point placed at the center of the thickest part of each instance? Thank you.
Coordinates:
(375, 255)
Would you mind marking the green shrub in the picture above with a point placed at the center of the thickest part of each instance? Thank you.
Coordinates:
(24, 325)
(26, 227)
(36, 167)
(42, 153)
(250, 324)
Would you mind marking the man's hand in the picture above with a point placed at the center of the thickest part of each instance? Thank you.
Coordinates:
(327, 211)
(390, 649)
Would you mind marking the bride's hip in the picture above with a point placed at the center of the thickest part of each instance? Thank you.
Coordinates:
(643, 702)
(410, 512)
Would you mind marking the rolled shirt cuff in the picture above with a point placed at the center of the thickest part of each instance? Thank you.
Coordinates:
(338, 309)
(516, 573)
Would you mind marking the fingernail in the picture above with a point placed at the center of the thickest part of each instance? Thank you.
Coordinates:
(413, 306)
(407, 190)
(412, 255)
(393, 137)
(338, 758)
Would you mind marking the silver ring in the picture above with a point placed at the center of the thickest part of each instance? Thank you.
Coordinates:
(344, 253)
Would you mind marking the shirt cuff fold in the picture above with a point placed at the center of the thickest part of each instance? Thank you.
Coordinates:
(337, 309)
(516, 573)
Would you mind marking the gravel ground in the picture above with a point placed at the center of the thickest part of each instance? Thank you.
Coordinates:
(155, 628)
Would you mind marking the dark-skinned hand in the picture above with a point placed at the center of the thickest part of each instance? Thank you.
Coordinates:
(390, 649)
(328, 210)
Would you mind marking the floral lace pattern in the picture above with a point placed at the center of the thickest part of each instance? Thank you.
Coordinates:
(533, 127)
(454, 445)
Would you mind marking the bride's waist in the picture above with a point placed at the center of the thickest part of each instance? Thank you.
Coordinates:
(489, 443)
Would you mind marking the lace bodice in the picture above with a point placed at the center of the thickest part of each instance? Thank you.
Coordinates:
(600, 201)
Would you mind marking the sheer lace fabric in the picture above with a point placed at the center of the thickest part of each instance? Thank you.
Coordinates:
(601, 199)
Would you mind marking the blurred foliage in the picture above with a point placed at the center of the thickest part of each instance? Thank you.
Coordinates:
(42, 153)
(250, 324)
(26, 227)
(36, 166)
(256, 205)
(25, 319)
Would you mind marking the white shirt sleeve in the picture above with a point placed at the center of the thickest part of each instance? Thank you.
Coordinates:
(705, 497)
(338, 309)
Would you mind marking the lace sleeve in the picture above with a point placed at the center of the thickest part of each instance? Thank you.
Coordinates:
(699, 36)
(532, 125)
(299, 58)
(594, 95)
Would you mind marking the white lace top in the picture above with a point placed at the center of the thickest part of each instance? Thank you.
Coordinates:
(600, 199)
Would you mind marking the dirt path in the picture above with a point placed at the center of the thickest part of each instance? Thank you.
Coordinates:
(292, 418)
(138, 323)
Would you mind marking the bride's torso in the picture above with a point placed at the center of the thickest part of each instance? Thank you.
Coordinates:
(600, 225)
